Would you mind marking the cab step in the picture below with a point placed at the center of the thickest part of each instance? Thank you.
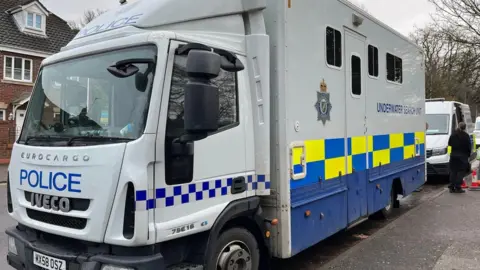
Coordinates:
(186, 266)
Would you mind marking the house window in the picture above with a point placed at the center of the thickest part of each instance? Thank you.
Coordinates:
(34, 20)
(3, 115)
(372, 61)
(18, 69)
(394, 68)
(334, 47)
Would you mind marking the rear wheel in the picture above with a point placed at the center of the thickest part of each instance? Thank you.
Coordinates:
(236, 249)
(387, 211)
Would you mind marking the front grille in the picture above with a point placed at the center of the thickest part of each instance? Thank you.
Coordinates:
(75, 203)
(429, 153)
(437, 169)
(57, 220)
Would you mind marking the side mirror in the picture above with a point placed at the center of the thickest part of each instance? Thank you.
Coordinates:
(201, 102)
(141, 81)
(141, 78)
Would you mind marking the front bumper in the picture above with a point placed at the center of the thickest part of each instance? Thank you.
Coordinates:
(438, 164)
(26, 243)
(437, 169)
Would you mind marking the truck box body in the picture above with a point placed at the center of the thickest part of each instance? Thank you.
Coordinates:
(367, 140)
(323, 127)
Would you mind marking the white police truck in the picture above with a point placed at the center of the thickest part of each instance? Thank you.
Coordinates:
(182, 134)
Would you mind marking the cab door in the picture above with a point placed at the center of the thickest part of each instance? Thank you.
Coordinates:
(355, 61)
(190, 192)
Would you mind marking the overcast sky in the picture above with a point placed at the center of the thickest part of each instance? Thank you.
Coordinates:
(402, 15)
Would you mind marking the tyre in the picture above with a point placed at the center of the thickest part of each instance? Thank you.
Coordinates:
(235, 249)
(387, 211)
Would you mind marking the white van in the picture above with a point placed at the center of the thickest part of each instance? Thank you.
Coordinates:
(442, 119)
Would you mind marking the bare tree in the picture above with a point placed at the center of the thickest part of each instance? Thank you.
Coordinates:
(87, 17)
(460, 19)
(452, 68)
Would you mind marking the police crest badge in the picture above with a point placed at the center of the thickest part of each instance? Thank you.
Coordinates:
(323, 104)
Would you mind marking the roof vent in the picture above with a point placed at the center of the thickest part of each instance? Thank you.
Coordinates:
(122, 2)
(357, 20)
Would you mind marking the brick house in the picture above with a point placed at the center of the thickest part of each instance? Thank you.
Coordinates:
(29, 32)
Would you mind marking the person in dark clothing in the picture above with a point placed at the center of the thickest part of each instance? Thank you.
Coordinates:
(461, 149)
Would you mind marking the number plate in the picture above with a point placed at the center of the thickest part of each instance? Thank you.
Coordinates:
(48, 263)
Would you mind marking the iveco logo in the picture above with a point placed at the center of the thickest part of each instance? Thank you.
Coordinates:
(54, 157)
(50, 202)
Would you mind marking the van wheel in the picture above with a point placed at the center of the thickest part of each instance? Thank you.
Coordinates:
(236, 249)
(387, 211)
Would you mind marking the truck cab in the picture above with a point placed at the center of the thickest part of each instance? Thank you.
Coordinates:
(141, 117)
(442, 120)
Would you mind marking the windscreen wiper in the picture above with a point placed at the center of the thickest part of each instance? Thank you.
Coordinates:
(45, 138)
(97, 139)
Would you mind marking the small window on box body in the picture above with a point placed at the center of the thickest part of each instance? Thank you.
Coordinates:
(394, 68)
(356, 75)
(372, 61)
(334, 47)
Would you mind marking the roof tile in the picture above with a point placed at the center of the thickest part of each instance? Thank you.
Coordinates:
(59, 32)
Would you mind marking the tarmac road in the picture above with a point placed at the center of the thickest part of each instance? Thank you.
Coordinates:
(5, 222)
(317, 256)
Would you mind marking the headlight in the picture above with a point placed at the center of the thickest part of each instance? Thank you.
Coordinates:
(12, 248)
(439, 151)
(113, 267)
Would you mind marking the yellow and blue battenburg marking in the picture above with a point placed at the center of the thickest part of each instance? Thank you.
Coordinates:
(326, 159)
(171, 196)
(350, 178)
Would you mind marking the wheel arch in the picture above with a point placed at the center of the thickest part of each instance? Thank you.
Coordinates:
(398, 186)
(245, 213)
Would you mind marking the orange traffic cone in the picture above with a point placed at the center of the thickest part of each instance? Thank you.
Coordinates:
(475, 183)
(464, 184)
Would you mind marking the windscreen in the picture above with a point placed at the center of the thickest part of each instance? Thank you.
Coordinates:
(81, 98)
(437, 124)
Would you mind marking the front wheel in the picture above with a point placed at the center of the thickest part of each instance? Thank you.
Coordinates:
(236, 249)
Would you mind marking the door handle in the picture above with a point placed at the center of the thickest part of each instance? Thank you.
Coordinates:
(238, 185)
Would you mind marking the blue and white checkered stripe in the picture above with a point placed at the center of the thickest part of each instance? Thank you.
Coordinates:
(200, 191)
